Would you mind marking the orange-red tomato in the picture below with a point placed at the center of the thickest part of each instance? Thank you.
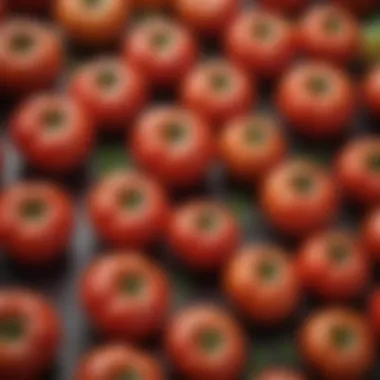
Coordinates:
(360, 7)
(279, 374)
(204, 342)
(126, 295)
(371, 91)
(262, 283)
(374, 311)
(284, 6)
(36, 221)
(370, 234)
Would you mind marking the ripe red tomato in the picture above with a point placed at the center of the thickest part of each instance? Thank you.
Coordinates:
(251, 145)
(299, 197)
(262, 283)
(209, 18)
(370, 234)
(358, 170)
(36, 221)
(338, 343)
(204, 342)
(90, 22)
(333, 266)
(217, 90)
(128, 209)
(284, 6)
(374, 311)
(330, 33)
(31, 56)
(203, 234)
(261, 42)
(53, 133)
(29, 5)
(279, 374)
(361, 7)
(2, 10)
(317, 99)
(161, 49)
(126, 295)
(30, 334)
(152, 4)
(119, 362)
(371, 91)
(174, 145)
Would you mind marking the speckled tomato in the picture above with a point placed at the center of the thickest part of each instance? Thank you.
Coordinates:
(262, 283)
(374, 311)
(36, 221)
(204, 342)
(371, 91)
(128, 209)
(126, 295)
(360, 7)
(53, 133)
(203, 234)
(29, 5)
(174, 145)
(279, 374)
(285, 6)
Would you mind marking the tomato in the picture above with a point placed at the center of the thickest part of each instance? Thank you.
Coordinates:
(30, 334)
(279, 374)
(371, 91)
(152, 4)
(161, 49)
(112, 92)
(217, 90)
(317, 99)
(284, 6)
(3, 10)
(333, 266)
(370, 234)
(92, 22)
(29, 5)
(262, 283)
(299, 197)
(203, 234)
(31, 56)
(205, 342)
(374, 311)
(250, 145)
(126, 295)
(261, 42)
(174, 145)
(128, 209)
(361, 7)
(53, 133)
(358, 170)
(209, 18)
(36, 221)
(338, 343)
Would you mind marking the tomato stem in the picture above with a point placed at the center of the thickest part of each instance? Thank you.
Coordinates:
(22, 43)
(133, 284)
(210, 340)
(33, 209)
(318, 85)
(374, 162)
(175, 132)
(11, 329)
(262, 30)
(268, 270)
(107, 79)
(302, 183)
(338, 252)
(160, 40)
(343, 337)
(333, 23)
(54, 119)
(254, 134)
(132, 199)
(220, 82)
(207, 221)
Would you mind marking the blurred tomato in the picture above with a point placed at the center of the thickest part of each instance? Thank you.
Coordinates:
(279, 374)
(371, 91)
(152, 4)
(374, 311)
(29, 5)
(370, 234)
(288, 7)
(360, 7)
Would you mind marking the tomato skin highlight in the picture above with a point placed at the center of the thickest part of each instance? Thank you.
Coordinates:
(279, 374)
(371, 91)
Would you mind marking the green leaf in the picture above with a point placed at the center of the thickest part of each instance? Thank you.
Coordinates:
(371, 40)
(110, 158)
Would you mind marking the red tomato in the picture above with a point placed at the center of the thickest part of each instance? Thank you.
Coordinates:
(31, 56)
(284, 6)
(358, 170)
(2, 10)
(251, 145)
(333, 266)
(30, 334)
(161, 49)
(261, 281)
(174, 145)
(371, 91)
(279, 374)
(126, 295)
(371, 234)
(128, 209)
(330, 33)
(261, 42)
(91, 22)
(204, 342)
(53, 133)
(112, 92)
(210, 18)
(338, 343)
(299, 197)
(217, 90)
(360, 7)
(36, 221)
(317, 99)
(152, 4)
(119, 362)
(29, 5)
(374, 311)
(203, 234)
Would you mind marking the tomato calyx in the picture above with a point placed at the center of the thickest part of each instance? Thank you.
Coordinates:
(92, 3)
(342, 337)
(22, 43)
(160, 40)
(210, 341)
(207, 221)
(268, 270)
(133, 285)
(333, 24)
(175, 132)
(33, 209)
(373, 162)
(338, 252)
(262, 30)
(11, 330)
(128, 374)
(318, 85)
(254, 134)
(220, 82)
(132, 199)
(106, 79)
(54, 119)
(302, 183)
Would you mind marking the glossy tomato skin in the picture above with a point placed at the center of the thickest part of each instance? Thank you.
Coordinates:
(126, 295)
(298, 197)
(31, 56)
(251, 145)
(317, 100)
(204, 342)
(370, 234)
(203, 234)
(174, 145)
(374, 311)
(53, 133)
(338, 343)
(36, 221)
(361, 7)
(261, 42)
(262, 283)
(218, 90)
(287, 7)
(330, 33)
(163, 50)
(128, 209)
(31, 334)
(279, 374)
(333, 266)
(371, 91)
